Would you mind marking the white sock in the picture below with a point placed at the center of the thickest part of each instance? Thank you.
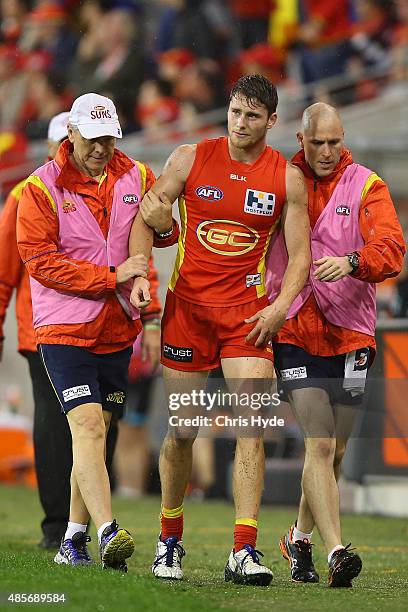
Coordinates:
(74, 528)
(338, 547)
(101, 528)
(301, 535)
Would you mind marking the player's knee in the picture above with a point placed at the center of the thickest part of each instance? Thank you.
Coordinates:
(90, 425)
(178, 444)
(321, 448)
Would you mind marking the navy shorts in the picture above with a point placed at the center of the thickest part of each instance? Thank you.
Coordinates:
(298, 369)
(81, 377)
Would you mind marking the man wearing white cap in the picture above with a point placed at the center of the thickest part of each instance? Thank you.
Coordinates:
(73, 228)
(52, 442)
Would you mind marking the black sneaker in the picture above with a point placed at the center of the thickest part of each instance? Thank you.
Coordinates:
(50, 542)
(299, 555)
(343, 567)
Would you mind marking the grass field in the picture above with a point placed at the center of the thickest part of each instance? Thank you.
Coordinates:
(382, 542)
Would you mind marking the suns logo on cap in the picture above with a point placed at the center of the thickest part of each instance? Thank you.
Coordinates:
(100, 112)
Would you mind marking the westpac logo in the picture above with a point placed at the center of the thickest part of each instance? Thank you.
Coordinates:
(227, 237)
(259, 202)
(130, 198)
(343, 210)
(178, 353)
(212, 194)
(100, 112)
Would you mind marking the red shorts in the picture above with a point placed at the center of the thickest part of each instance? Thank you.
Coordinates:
(196, 337)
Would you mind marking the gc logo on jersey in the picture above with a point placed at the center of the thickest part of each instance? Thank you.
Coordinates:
(211, 194)
(259, 202)
(227, 237)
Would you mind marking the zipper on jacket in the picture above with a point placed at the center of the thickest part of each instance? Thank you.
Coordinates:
(315, 184)
(105, 212)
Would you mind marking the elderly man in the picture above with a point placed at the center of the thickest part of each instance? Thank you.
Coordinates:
(73, 227)
(323, 351)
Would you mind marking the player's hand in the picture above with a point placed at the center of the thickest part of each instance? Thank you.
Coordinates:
(140, 296)
(156, 211)
(132, 267)
(331, 269)
(151, 348)
(268, 321)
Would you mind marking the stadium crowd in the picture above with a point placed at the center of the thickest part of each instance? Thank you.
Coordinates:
(164, 60)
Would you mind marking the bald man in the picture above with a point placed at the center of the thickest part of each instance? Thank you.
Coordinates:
(327, 343)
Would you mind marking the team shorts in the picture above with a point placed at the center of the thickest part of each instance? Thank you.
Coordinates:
(342, 376)
(195, 337)
(81, 377)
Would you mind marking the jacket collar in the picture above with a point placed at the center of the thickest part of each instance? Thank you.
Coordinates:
(345, 160)
(72, 179)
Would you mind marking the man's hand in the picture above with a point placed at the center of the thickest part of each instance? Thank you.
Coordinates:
(269, 320)
(332, 269)
(151, 346)
(132, 267)
(156, 212)
(140, 296)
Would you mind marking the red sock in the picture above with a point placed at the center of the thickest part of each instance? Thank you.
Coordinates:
(171, 526)
(244, 534)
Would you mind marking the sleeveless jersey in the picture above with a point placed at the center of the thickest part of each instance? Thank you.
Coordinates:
(228, 212)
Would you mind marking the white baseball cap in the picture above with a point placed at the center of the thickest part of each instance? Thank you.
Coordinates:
(95, 116)
(57, 128)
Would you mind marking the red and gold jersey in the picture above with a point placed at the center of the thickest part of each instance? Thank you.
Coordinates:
(228, 213)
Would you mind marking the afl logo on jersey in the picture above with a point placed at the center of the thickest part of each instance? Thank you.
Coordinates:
(227, 237)
(130, 198)
(211, 194)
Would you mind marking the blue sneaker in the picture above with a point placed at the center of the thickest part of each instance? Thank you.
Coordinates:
(73, 551)
(116, 546)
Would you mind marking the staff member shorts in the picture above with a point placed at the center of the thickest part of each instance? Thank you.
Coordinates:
(298, 369)
(195, 337)
(81, 377)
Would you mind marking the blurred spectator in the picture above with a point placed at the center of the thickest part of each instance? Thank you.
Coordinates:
(252, 18)
(263, 59)
(322, 38)
(197, 25)
(201, 84)
(44, 100)
(171, 63)
(370, 44)
(12, 86)
(13, 14)
(118, 70)
(400, 50)
(47, 29)
(155, 108)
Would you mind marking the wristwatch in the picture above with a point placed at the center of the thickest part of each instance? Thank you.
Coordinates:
(354, 261)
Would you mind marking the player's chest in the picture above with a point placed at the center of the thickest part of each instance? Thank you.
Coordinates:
(250, 198)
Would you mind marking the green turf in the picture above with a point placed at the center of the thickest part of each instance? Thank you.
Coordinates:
(383, 544)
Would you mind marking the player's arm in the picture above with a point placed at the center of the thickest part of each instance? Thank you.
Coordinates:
(296, 230)
(156, 206)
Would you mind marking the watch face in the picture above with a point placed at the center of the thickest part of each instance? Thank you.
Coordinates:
(353, 260)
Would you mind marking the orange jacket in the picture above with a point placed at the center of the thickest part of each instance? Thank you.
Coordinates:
(380, 258)
(13, 274)
(37, 233)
